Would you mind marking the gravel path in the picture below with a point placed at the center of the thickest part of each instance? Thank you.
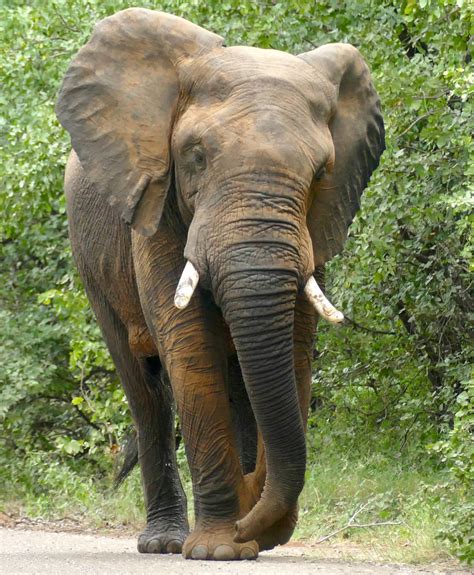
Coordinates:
(47, 553)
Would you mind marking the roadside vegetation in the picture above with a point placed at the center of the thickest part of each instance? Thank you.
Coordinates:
(392, 416)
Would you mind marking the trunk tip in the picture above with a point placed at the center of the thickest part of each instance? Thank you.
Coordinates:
(241, 533)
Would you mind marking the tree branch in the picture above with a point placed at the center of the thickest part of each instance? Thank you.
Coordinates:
(358, 525)
(86, 419)
(415, 121)
(351, 524)
(350, 321)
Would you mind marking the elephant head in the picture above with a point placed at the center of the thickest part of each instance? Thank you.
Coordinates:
(266, 154)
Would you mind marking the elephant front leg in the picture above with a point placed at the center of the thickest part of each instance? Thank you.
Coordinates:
(196, 367)
(193, 352)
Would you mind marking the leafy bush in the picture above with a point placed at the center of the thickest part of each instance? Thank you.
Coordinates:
(456, 451)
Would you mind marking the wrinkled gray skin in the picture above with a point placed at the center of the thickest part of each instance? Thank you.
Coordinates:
(250, 164)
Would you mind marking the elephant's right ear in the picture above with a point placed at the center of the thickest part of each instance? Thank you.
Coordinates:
(118, 101)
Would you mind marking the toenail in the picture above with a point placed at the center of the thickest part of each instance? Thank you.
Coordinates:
(248, 553)
(199, 552)
(154, 546)
(224, 553)
(174, 546)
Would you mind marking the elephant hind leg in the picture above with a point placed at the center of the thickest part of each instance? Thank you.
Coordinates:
(150, 399)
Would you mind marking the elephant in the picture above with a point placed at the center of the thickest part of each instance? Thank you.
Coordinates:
(244, 167)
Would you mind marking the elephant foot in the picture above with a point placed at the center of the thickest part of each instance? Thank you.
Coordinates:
(156, 539)
(280, 532)
(217, 543)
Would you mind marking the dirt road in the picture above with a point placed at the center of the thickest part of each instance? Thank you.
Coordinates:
(46, 553)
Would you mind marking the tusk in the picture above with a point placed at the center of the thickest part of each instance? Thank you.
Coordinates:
(323, 306)
(186, 286)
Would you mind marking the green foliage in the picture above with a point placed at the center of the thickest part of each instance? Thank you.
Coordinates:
(456, 451)
(398, 502)
(405, 269)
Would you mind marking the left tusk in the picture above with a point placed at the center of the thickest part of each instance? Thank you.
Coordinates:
(186, 286)
(323, 306)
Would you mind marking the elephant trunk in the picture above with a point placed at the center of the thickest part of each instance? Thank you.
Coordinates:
(258, 305)
(254, 259)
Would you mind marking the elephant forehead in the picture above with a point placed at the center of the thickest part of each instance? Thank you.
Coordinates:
(258, 72)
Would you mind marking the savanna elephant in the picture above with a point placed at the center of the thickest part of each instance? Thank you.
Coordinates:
(244, 167)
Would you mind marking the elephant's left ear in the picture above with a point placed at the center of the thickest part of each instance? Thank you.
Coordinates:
(357, 131)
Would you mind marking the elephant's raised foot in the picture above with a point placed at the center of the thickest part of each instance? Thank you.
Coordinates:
(158, 540)
(217, 543)
(280, 532)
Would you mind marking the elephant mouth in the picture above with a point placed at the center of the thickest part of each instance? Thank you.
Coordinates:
(190, 279)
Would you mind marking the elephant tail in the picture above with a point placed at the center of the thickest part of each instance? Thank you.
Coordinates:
(129, 455)
(128, 458)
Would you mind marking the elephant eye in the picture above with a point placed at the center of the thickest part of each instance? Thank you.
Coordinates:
(199, 159)
(320, 173)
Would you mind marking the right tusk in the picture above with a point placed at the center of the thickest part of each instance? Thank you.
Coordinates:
(186, 286)
(323, 306)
